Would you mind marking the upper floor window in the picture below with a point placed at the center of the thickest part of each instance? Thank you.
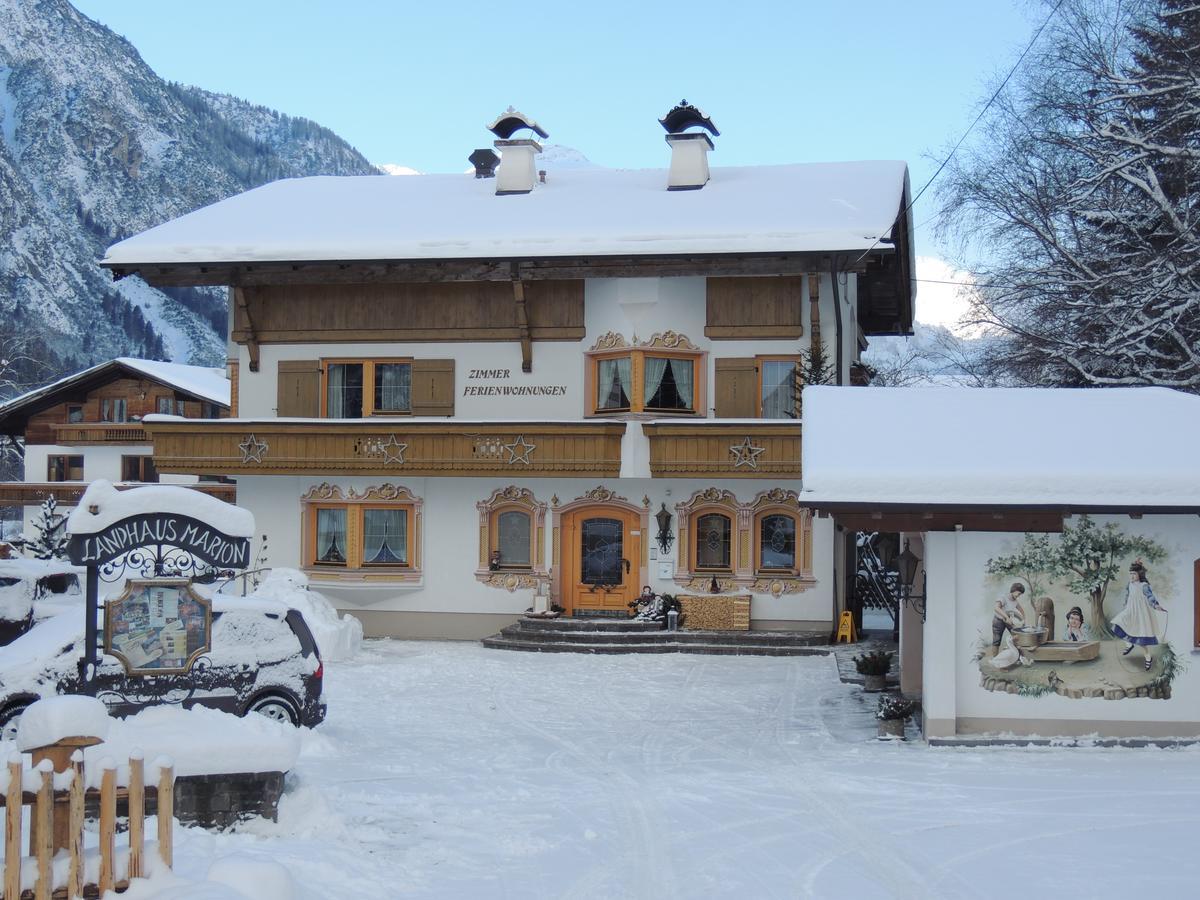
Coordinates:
(113, 409)
(138, 468)
(357, 388)
(660, 375)
(778, 386)
(74, 413)
(209, 410)
(169, 406)
(64, 468)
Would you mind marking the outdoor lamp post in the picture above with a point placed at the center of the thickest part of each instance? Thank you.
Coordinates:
(906, 565)
(664, 536)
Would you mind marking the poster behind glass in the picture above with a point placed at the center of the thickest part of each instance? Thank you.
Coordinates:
(157, 626)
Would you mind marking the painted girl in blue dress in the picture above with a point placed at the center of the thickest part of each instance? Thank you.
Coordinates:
(1143, 621)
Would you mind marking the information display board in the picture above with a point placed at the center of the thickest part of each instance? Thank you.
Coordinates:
(158, 626)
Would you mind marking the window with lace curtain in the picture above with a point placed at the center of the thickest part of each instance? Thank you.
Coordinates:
(352, 536)
(356, 388)
(645, 381)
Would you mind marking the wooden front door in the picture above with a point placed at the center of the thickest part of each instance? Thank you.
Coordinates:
(601, 552)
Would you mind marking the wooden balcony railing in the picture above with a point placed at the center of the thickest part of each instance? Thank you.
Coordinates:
(272, 447)
(726, 448)
(101, 433)
(21, 493)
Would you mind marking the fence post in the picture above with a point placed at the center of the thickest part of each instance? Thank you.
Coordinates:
(137, 813)
(166, 809)
(108, 823)
(43, 831)
(77, 876)
(13, 800)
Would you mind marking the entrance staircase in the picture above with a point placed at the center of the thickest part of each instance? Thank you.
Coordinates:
(603, 635)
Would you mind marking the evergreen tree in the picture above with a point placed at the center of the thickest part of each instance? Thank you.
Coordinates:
(50, 538)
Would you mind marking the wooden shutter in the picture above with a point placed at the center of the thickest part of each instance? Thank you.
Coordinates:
(736, 391)
(433, 387)
(299, 389)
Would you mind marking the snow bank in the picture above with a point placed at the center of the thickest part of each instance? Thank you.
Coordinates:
(338, 638)
(200, 741)
(112, 506)
(253, 877)
(49, 720)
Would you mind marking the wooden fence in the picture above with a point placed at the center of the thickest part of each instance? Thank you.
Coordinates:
(57, 803)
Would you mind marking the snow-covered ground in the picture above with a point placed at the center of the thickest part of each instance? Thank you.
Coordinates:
(447, 770)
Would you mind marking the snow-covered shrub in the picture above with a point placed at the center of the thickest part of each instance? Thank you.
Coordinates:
(337, 637)
(893, 706)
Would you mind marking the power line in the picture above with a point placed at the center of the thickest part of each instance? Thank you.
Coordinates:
(992, 99)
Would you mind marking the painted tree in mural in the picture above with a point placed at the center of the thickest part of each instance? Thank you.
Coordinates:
(1086, 555)
(50, 537)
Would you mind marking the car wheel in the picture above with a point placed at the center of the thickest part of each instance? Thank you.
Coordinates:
(275, 707)
(9, 720)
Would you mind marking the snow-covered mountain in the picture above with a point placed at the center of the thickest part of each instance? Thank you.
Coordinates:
(94, 147)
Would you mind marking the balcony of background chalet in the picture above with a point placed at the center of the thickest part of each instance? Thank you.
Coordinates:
(725, 448)
(78, 433)
(418, 446)
(23, 493)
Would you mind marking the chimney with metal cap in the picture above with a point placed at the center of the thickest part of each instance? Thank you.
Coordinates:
(518, 172)
(689, 149)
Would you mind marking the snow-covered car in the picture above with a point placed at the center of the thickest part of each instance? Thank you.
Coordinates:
(263, 660)
(26, 581)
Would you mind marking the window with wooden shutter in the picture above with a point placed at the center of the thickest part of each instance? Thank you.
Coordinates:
(299, 389)
(736, 393)
(755, 307)
(433, 387)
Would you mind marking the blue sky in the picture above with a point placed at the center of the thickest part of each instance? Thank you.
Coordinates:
(415, 84)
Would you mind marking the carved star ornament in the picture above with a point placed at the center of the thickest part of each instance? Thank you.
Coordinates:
(519, 450)
(392, 450)
(746, 454)
(253, 450)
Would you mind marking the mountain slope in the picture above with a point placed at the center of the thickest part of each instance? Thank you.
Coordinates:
(94, 147)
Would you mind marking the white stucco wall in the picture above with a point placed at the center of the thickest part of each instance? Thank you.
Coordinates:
(961, 598)
(450, 541)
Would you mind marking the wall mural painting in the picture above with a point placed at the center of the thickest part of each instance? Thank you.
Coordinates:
(1081, 614)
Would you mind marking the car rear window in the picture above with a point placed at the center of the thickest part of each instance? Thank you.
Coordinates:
(251, 637)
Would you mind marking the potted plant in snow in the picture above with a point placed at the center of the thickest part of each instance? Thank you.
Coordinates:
(892, 713)
(873, 667)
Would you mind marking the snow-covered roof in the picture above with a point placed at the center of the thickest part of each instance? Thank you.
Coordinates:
(198, 381)
(592, 212)
(1100, 448)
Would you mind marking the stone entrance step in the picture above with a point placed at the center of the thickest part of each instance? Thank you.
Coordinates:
(593, 636)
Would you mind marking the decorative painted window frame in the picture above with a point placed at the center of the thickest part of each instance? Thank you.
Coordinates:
(390, 495)
(666, 343)
(744, 574)
(510, 579)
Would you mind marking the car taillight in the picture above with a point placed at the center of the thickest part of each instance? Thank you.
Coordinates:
(320, 673)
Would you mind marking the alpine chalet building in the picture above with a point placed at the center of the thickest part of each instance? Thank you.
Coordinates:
(456, 397)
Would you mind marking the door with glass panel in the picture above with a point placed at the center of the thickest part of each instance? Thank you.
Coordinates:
(601, 554)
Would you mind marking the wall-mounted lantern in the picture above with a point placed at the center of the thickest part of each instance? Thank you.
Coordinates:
(665, 538)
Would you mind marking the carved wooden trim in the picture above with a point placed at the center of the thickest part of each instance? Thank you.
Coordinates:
(610, 340)
(323, 491)
(669, 340)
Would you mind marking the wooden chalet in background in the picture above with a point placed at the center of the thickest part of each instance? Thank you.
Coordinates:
(90, 425)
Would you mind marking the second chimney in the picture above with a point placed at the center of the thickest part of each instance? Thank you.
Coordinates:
(689, 149)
